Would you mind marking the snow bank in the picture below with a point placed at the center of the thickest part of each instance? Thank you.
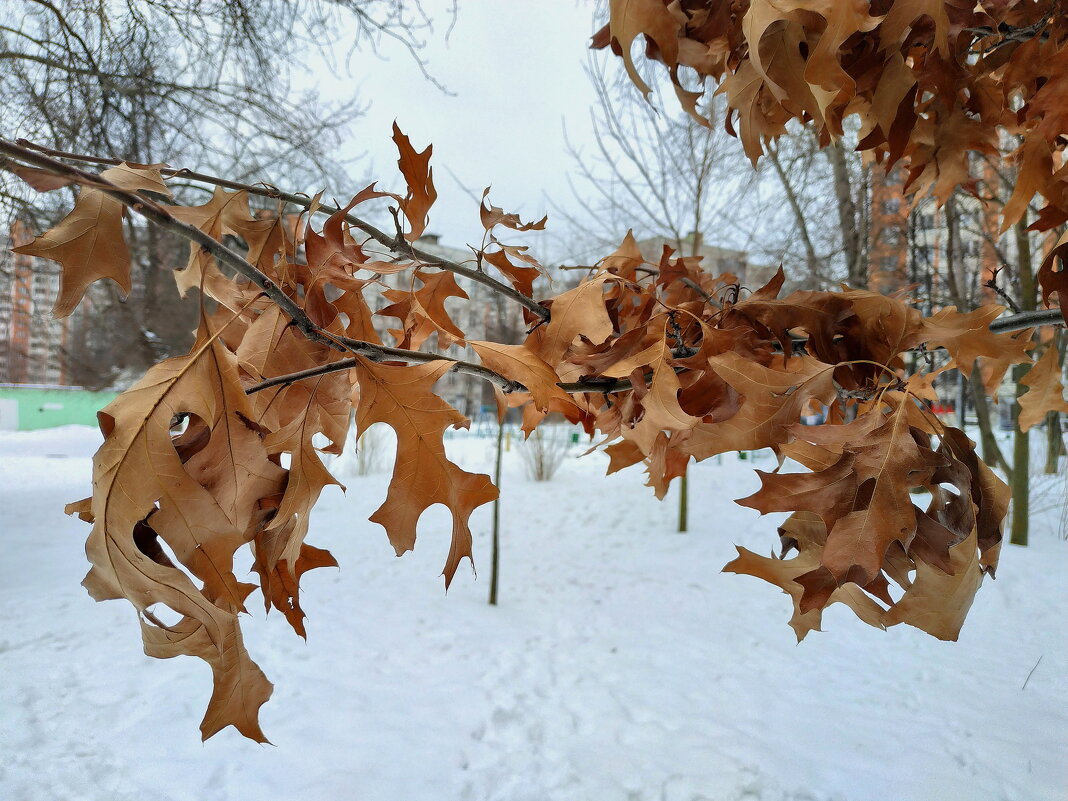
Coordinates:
(621, 663)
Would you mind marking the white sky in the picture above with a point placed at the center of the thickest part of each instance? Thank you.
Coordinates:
(516, 71)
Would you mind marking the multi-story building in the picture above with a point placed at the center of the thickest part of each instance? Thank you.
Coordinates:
(33, 343)
(912, 240)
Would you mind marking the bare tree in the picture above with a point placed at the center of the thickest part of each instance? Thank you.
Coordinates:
(203, 83)
(658, 174)
(827, 192)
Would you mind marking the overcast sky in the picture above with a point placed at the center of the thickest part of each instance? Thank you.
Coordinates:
(515, 70)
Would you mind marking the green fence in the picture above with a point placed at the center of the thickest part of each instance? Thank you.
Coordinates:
(25, 407)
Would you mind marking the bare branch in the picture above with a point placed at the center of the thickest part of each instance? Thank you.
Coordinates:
(159, 216)
(266, 190)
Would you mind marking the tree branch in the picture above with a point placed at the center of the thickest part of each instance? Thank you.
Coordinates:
(159, 216)
(382, 352)
(1026, 319)
(272, 192)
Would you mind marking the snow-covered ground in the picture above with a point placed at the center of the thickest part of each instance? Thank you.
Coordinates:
(621, 664)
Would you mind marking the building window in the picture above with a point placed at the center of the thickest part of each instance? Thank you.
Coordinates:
(892, 205)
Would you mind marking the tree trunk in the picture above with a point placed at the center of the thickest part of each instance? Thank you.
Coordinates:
(683, 502)
(992, 454)
(1021, 446)
(495, 557)
(847, 217)
(1021, 458)
(953, 254)
(1054, 443)
(1054, 436)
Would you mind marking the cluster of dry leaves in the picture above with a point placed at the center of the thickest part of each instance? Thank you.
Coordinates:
(662, 362)
(933, 82)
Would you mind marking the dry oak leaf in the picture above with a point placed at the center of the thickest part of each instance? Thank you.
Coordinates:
(88, 243)
(579, 311)
(943, 152)
(137, 467)
(239, 687)
(1045, 393)
(423, 312)
(1056, 281)
(844, 18)
(519, 363)
(333, 254)
(829, 493)
(968, 337)
(630, 18)
(819, 314)
(621, 356)
(429, 303)
(271, 348)
(415, 167)
(891, 459)
(743, 90)
(308, 475)
(40, 180)
(621, 454)
(269, 241)
(772, 400)
(492, 215)
(281, 583)
(786, 46)
(666, 462)
(937, 602)
(903, 15)
(881, 327)
(522, 278)
(625, 259)
(662, 411)
(784, 572)
(225, 213)
(402, 397)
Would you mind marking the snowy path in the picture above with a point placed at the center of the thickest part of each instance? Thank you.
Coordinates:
(620, 665)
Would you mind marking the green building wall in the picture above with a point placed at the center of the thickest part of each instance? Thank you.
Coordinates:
(28, 407)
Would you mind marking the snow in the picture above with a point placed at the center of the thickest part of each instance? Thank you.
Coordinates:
(621, 664)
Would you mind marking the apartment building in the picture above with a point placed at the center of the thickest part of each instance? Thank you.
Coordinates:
(33, 343)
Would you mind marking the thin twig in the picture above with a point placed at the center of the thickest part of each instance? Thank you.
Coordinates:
(1001, 293)
(381, 353)
(1029, 675)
